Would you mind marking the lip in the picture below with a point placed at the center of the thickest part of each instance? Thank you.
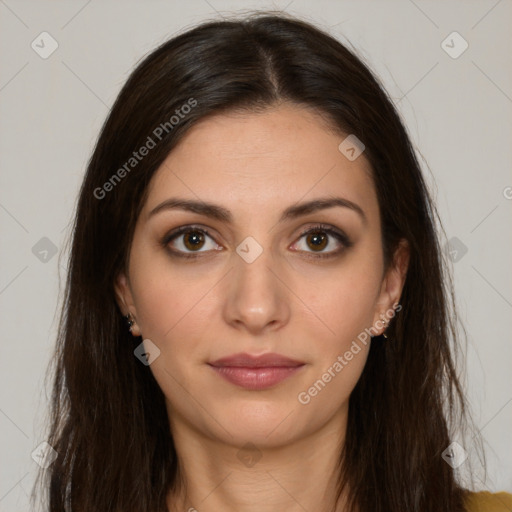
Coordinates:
(256, 372)
(263, 361)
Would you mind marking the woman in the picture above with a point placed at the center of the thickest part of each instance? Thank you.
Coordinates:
(258, 316)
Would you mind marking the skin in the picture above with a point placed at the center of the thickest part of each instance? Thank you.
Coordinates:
(199, 310)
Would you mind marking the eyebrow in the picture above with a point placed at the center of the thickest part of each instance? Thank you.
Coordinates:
(220, 213)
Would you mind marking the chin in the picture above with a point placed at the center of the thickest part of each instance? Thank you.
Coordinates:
(267, 424)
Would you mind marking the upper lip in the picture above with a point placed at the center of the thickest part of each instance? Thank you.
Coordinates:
(262, 361)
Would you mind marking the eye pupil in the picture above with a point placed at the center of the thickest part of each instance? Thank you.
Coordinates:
(318, 239)
(193, 240)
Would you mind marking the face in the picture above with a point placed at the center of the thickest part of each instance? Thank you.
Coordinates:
(259, 274)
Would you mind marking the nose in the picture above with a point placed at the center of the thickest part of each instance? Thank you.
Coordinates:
(258, 299)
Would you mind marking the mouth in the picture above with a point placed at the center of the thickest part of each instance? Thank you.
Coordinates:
(256, 372)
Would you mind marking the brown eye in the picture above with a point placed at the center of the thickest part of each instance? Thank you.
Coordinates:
(317, 240)
(193, 240)
(189, 241)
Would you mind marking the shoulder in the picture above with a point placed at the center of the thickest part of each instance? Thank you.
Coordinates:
(485, 501)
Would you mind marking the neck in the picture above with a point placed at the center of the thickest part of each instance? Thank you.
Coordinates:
(293, 477)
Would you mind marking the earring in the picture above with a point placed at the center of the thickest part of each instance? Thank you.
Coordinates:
(386, 326)
(129, 321)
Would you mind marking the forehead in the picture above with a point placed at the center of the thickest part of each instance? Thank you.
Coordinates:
(262, 161)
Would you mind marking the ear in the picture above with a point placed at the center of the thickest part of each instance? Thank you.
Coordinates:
(124, 299)
(391, 288)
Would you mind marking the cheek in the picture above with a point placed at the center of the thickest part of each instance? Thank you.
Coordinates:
(171, 300)
(341, 345)
(343, 299)
(169, 306)
(173, 312)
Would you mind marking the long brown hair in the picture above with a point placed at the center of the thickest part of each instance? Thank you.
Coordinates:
(109, 423)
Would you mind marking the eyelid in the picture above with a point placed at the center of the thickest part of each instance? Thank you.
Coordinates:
(326, 228)
(175, 233)
(319, 226)
(340, 236)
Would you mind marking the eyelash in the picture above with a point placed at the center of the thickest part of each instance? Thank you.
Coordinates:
(340, 236)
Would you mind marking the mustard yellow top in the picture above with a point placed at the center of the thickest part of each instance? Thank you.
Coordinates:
(485, 501)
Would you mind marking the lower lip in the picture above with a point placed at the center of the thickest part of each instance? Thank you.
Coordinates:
(256, 378)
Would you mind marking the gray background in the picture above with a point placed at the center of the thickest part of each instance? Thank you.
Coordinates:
(458, 111)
